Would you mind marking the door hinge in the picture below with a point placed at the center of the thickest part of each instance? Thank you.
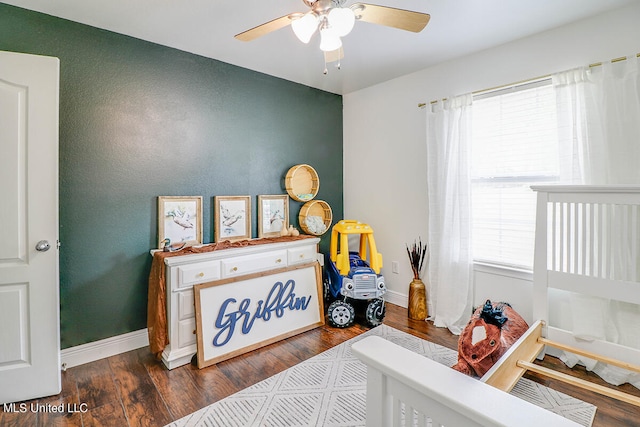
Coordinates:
(57, 244)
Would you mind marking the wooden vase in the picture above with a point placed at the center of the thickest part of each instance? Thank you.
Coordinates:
(417, 300)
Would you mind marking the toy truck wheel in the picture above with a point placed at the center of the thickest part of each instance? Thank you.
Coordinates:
(325, 290)
(375, 312)
(341, 314)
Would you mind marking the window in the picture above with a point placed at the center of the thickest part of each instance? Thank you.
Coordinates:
(514, 146)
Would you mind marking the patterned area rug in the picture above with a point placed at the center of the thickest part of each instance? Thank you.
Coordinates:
(329, 390)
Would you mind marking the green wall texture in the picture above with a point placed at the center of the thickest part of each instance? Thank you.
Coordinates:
(139, 120)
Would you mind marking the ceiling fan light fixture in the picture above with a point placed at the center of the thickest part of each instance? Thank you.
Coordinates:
(305, 27)
(341, 19)
(329, 39)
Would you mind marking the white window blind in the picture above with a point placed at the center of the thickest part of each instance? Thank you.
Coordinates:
(514, 146)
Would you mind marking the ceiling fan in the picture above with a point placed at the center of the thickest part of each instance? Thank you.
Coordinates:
(333, 21)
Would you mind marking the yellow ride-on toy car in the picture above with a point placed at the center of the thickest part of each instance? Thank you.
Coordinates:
(353, 275)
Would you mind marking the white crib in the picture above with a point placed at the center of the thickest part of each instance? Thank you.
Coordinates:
(407, 389)
(587, 244)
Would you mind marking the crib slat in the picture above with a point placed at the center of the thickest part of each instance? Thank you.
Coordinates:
(595, 240)
(408, 415)
(568, 238)
(608, 239)
(553, 226)
(580, 239)
(588, 240)
(600, 246)
(633, 264)
(561, 232)
(396, 413)
(422, 420)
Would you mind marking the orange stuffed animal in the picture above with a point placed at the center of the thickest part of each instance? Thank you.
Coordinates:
(492, 329)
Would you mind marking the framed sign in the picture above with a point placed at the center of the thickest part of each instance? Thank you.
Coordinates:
(273, 214)
(241, 314)
(180, 220)
(233, 218)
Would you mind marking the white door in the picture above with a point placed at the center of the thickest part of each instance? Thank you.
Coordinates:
(29, 281)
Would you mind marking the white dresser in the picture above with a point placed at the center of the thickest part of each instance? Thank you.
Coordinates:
(182, 272)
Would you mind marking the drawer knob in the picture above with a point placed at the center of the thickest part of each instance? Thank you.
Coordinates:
(234, 269)
(201, 274)
(194, 332)
(301, 255)
(278, 261)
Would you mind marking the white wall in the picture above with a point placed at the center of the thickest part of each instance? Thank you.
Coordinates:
(385, 175)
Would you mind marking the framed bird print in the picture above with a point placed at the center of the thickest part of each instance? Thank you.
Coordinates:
(273, 214)
(232, 218)
(179, 221)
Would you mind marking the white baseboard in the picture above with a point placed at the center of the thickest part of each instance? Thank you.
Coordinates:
(397, 298)
(90, 352)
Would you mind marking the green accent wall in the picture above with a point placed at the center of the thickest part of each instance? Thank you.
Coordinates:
(139, 120)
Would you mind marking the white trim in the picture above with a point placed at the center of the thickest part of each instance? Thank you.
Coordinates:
(90, 352)
(503, 270)
(397, 298)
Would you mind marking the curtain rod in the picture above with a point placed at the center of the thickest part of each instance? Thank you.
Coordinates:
(596, 64)
(613, 61)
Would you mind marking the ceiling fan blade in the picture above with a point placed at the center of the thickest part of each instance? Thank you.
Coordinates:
(391, 17)
(264, 29)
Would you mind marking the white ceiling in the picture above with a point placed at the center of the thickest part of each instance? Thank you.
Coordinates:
(373, 53)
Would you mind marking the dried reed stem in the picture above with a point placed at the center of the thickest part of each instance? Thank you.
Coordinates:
(418, 257)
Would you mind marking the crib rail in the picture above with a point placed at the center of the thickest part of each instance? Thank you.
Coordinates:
(591, 231)
(407, 389)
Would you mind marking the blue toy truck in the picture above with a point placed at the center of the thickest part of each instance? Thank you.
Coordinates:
(353, 276)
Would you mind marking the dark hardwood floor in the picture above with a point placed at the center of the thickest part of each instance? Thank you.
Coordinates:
(133, 389)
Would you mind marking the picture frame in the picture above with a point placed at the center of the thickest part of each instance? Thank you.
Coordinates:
(232, 218)
(180, 220)
(218, 303)
(273, 214)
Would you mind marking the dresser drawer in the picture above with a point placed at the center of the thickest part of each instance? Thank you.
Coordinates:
(238, 266)
(186, 306)
(301, 255)
(201, 272)
(186, 332)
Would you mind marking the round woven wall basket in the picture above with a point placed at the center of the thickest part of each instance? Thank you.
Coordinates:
(302, 183)
(315, 217)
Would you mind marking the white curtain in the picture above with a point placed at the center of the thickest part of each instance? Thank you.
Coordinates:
(449, 195)
(599, 111)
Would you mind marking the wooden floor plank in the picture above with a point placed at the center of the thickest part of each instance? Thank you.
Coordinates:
(178, 390)
(142, 403)
(111, 414)
(18, 419)
(55, 419)
(213, 381)
(95, 383)
(240, 372)
(269, 361)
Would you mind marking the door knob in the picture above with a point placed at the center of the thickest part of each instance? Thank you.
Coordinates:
(42, 246)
